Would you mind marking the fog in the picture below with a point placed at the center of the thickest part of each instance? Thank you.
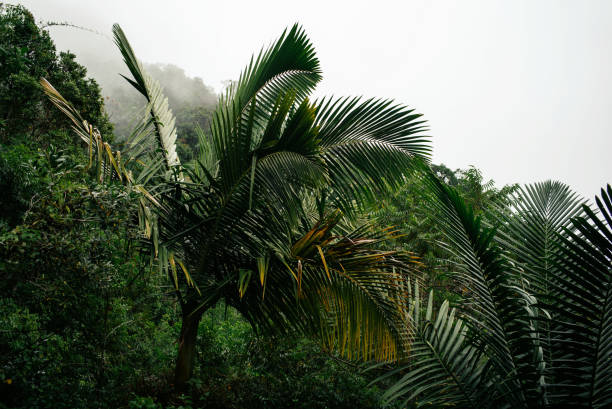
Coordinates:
(520, 89)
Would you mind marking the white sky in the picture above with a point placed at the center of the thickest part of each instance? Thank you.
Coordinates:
(520, 89)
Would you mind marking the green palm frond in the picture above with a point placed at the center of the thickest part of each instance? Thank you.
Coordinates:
(289, 66)
(340, 288)
(531, 235)
(161, 119)
(444, 368)
(532, 231)
(539, 344)
(112, 165)
(581, 304)
(502, 317)
(368, 145)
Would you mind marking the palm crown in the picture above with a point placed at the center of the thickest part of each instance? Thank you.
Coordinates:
(266, 202)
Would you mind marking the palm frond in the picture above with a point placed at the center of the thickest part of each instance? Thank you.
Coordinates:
(112, 165)
(289, 66)
(340, 288)
(531, 232)
(368, 145)
(501, 315)
(581, 301)
(444, 368)
(161, 118)
(107, 162)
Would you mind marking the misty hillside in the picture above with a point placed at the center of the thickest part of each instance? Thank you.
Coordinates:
(190, 99)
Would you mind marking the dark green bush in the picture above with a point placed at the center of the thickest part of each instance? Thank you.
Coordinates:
(237, 369)
(84, 321)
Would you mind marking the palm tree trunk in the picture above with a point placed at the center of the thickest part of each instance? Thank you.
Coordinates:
(187, 346)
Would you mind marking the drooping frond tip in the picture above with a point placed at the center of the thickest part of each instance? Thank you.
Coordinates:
(160, 114)
(129, 58)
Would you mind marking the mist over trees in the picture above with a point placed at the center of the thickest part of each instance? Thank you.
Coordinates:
(27, 55)
(274, 251)
(191, 101)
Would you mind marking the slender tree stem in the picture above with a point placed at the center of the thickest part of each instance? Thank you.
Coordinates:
(187, 344)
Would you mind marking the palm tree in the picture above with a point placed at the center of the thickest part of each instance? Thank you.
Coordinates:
(262, 218)
(536, 330)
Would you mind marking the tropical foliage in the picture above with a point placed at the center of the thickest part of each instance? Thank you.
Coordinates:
(191, 100)
(28, 54)
(422, 234)
(266, 195)
(257, 252)
(535, 328)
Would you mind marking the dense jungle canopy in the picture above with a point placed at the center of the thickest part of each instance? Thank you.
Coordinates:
(164, 246)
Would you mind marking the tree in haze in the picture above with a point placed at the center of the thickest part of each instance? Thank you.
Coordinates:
(28, 54)
(68, 285)
(28, 121)
(262, 218)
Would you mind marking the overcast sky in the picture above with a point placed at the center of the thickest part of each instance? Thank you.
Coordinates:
(520, 89)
